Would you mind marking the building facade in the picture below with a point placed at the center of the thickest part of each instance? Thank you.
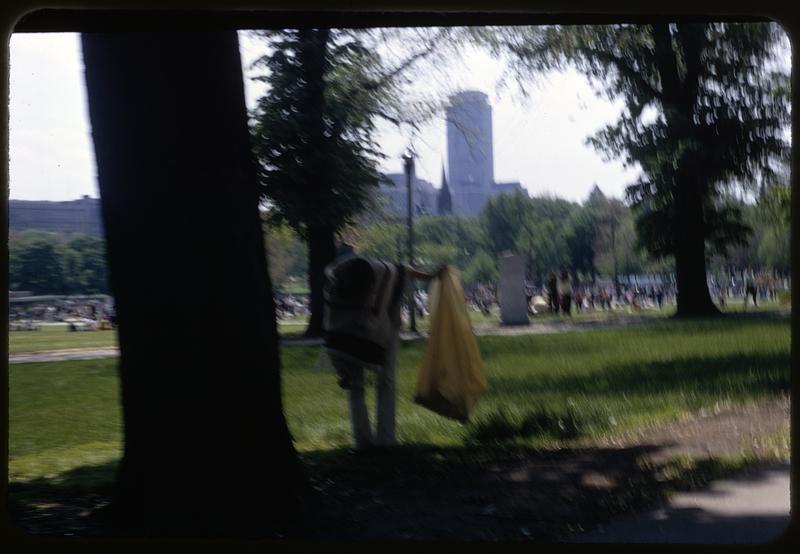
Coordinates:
(469, 182)
(395, 193)
(470, 155)
(74, 216)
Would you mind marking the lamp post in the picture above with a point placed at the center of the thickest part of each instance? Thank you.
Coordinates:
(408, 166)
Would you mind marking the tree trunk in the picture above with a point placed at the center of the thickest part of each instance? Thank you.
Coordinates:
(321, 252)
(678, 99)
(321, 247)
(694, 299)
(207, 451)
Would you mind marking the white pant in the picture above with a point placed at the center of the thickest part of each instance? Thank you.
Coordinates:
(385, 400)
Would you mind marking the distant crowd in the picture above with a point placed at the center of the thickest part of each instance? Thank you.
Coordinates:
(84, 314)
(558, 294)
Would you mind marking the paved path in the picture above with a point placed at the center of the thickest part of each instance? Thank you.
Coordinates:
(534, 328)
(752, 508)
(64, 355)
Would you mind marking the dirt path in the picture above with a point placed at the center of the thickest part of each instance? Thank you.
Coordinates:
(546, 495)
(726, 429)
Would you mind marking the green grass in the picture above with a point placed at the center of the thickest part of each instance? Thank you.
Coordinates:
(544, 390)
(58, 337)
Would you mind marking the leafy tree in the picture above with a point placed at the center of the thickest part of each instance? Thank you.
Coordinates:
(313, 139)
(36, 263)
(482, 269)
(706, 107)
(313, 134)
(432, 255)
(88, 264)
(580, 238)
(286, 254)
(544, 243)
(503, 217)
(464, 234)
(385, 241)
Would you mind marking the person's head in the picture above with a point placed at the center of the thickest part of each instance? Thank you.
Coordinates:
(564, 274)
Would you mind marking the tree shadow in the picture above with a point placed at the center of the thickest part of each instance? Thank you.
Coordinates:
(475, 492)
(68, 504)
(682, 524)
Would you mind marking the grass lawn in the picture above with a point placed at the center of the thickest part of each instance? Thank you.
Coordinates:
(58, 337)
(544, 390)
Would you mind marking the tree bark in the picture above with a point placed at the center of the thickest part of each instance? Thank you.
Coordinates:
(321, 252)
(694, 299)
(321, 247)
(688, 224)
(207, 451)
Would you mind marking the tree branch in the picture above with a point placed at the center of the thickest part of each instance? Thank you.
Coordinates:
(374, 85)
(624, 68)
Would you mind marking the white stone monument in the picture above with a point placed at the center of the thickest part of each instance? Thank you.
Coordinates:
(511, 290)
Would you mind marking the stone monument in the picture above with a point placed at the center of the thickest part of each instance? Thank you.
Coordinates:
(511, 290)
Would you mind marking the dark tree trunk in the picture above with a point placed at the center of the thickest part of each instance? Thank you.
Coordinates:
(206, 446)
(321, 252)
(321, 247)
(678, 98)
(690, 258)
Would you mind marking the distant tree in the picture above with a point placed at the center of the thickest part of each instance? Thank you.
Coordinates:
(464, 234)
(481, 269)
(88, 266)
(558, 210)
(503, 217)
(287, 254)
(706, 106)
(313, 134)
(432, 255)
(313, 139)
(385, 241)
(580, 237)
(37, 263)
(544, 243)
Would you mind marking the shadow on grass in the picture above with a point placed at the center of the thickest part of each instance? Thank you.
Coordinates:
(67, 504)
(474, 492)
(481, 492)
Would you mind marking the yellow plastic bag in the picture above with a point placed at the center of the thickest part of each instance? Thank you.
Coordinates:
(451, 377)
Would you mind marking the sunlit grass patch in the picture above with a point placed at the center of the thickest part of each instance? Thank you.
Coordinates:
(544, 390)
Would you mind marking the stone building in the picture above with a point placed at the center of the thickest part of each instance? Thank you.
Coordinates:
(73, 216)
(425, 195)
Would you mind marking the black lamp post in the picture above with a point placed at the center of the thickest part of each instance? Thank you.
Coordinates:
(408, 165)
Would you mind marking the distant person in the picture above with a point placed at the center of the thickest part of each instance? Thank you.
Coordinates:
(361, 325)
(552, 291)
(659, 297)
(750, 290)
(578, 300)
(564, 290)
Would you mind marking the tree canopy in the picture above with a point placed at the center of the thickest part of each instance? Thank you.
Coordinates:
(706, 109)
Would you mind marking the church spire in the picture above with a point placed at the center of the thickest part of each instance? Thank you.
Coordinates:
(444, 202)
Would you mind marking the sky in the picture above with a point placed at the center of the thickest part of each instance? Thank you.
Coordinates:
(538, 141)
